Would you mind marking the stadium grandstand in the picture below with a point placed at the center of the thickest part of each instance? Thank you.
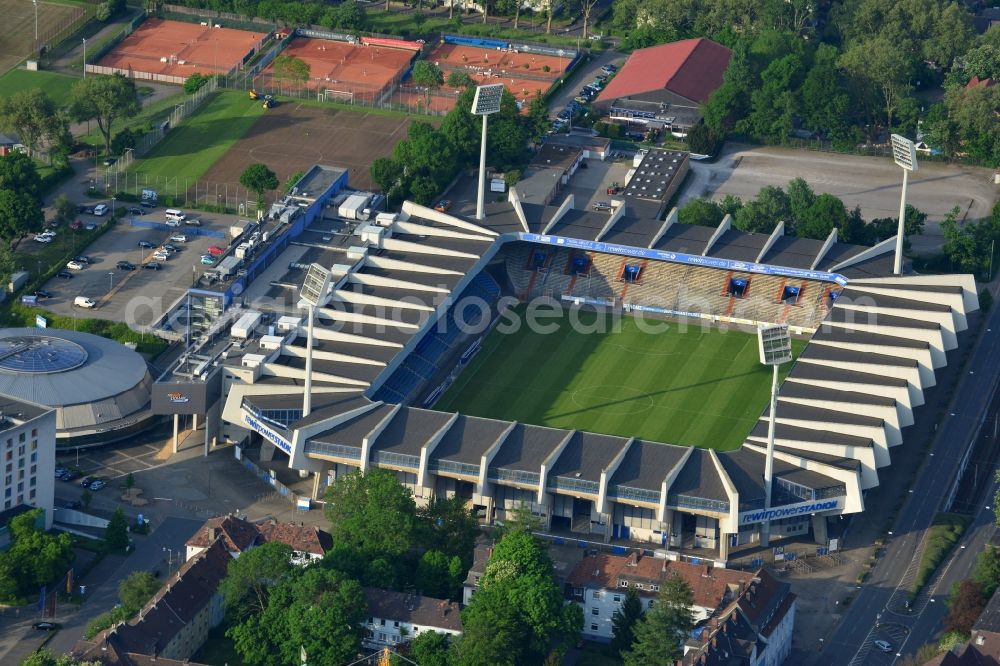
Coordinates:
(413, 294)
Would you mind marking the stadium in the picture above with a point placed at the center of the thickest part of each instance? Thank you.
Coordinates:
(99, 389)
(637, 417)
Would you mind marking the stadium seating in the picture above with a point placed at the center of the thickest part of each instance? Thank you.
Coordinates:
(422, 365)
(667, 285)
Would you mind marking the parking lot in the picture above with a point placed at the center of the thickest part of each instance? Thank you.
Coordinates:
(137, 297)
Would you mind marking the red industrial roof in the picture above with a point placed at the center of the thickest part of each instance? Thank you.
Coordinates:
(691, 68)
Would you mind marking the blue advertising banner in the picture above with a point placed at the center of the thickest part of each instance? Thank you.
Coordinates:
(681, 258)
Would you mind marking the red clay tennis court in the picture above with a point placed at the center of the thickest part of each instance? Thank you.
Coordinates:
(162, 50)
(341, 67)
(473, 59)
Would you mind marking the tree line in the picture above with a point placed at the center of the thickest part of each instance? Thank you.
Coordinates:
(805, 214)
(424, 163)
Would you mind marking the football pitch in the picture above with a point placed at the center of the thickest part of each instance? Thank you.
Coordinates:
(696, 387)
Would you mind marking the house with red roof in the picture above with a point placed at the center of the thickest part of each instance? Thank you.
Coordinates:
(308, 543)
(664, 86)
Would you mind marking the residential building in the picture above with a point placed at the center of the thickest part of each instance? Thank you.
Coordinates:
(397, 617)
(600, 581)
(308, 543)
(28, 456)
(175, 622)
(665, 85)
(8, 144)
(983, 647)
(564, 561)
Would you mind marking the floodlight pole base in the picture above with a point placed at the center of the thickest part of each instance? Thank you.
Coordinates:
(481, 194)
(897, 268)
(765, 527)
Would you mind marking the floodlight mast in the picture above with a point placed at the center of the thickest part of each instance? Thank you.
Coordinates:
(486, 102)
(904, 154)
(313, 293)
(775, 346)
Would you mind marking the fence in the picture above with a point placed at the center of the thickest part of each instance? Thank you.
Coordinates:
(94, 56)
(63, 32)
(238, 21)
(185, 193)
(147, 141)
(265, 475)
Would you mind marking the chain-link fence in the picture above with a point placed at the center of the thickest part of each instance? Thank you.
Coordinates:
(184, 192)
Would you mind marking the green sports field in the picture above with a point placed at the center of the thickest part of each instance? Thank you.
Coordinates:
(697, 387)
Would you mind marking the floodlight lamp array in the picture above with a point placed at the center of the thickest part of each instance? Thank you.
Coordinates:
(487, 99)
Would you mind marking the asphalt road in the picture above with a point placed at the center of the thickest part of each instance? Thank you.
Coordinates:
(882, 596)
(148, 556)
(873, 183)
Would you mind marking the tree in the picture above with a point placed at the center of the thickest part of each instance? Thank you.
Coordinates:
(315, 610)
(137, 589)
(439, 577)
(825, 214)
(129, 482)
(194, 83)
(430, 649)
(702, 140)
(660, 634)
(258, 178)
(372, 511)
(33, 115)
(426, 73)
(104, 99)
(34, 558)
(623, 623)
(586, 8)
(538, 119)
(246, 587)
(964, 607)
(520, 519)
(448, 526)
(763, 213)
(800, 197)
(116, 533)
(288, 67)
(882, 72)
(459, 79)
(824, 102)
(968, 245)
(18, 173)
(987, 574)
(45, 657)
(64, 207)
(86, 498)
(701, 212)
(19, 213)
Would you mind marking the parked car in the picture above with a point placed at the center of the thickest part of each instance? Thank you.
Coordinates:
(147, 203)
(136, 211)
(192, 222)
(215, 250)
(160, 255)
(173, 223)
(100, 210)
(171, 248)
(43, 238)
(153, 266)
(90, 227)
(97, 485)
(208, 260)
(178, 238)
(76, 265)
(45, 626)
(69, 476)
(885, 646)
(86, 210)
(602, 205)
(87, 481)
(145, 243)
(42, 293)
(443, 206)
(76, 504)
(83, 259)
(580, 99)
(76, 225)
(84, 302)
(110, 160)
(126, 265)
(64, 275)
(60, 471)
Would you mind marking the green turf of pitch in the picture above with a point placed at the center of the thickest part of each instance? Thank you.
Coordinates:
(190, 150)
(699, 387)
(56, 85)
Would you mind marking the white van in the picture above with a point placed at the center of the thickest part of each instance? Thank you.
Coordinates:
(84, 302)
(172, 214)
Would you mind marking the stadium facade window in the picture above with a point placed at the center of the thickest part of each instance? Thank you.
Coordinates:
(796, 490)
(576, 485)
(397, 459)
(449, 466)
(688, 502)
(515, 476)
(637, 494)
(635, 517)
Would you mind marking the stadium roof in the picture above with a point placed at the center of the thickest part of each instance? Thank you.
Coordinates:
(691, 68)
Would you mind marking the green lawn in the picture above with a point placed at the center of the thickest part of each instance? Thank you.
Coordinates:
(945, 531)
(56, 85)
(695, 387)
(190, 150)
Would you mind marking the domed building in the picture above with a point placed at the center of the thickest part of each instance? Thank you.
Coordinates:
(99, 388)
